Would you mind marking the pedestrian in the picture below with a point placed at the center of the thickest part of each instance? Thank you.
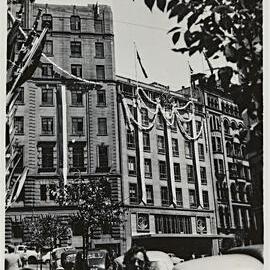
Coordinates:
(12, 260)
(136, 259)
(193, 256)
(24, 257)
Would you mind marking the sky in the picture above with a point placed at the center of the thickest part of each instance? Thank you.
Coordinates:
(135, 23)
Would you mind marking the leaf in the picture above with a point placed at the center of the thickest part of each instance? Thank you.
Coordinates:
(175, 37)
(149, 3)
(176, 10)
(161, 4)
(181, 50)
(192, 19)
(173, 29)
(171, 4)
(193, 49)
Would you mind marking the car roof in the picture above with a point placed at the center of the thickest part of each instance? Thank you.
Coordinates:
(222, 262)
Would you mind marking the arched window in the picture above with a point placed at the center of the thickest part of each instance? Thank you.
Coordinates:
(234, 126)
(75, 23)
(226, 126)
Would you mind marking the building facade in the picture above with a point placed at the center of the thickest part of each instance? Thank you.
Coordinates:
(80, 40)
(185, 183)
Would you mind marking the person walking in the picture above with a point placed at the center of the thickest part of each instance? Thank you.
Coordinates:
(12, 260)
(136, 259)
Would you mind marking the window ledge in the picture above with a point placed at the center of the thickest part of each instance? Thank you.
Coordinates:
(76, 105)
(74, 56)
(46, 105)
(101, 105)
(102, 134)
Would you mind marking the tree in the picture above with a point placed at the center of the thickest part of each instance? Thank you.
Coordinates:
(229, 27)
(91, 198)
(46, 230)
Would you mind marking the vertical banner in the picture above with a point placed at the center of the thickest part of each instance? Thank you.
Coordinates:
(62, 131)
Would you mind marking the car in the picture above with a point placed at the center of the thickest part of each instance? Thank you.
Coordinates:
(46, 258)
(248, 258)
(159, 261)
(28, 252)
(98, 259)
(56, 257)
(175, 259)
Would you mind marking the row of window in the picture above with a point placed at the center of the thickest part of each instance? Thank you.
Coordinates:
(161, 145)
(75, 23)
(75, 48)
(164, 192)
(47, 98)
(76, 70)
(238, 171)
(78, 160)
(132, 170)
(235, 150)
(47, 125)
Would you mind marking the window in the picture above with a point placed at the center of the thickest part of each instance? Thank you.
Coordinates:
(47, 21)
(226, 127)
(133, 193)
(131, 165)
(189, 128)
(48, 47)
(43, 192)
(173, 224)
(203, 175)
(179, 197)
(188, 149)
(190, 174)
(232, 170)
(198, 127)
(175, 148)
(102, 126)
(17, 230)
(103, 160)
(19, 124)
(160, 121)
(164, 196)
(162, 170)
(77, 125)
(99, 49)
(47, 125)
(149, 194)
(47, 70)
(76, 48)
(76, 70)
(205, 199)
(101, 98)
(100, 72)
(145, 119)
(78, 156)
(75, 23)
(177, 173)
(47, 96)
(98, 26)
(219, 148)
(47, 157)
(20, 97)
(146, 141)
(160, 144)
(192, 198)
(52, 196)
(130, 139)
(77, 98)
(147, 168)
(201, 151)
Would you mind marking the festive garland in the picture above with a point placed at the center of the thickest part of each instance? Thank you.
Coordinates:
(169, 117)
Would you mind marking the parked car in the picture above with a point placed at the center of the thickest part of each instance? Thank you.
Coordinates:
(159, 261)
(28, 252)
(96, 260)
(248, 258)
(175, 259)
(68, 259)
(46, 258)
(56, 257)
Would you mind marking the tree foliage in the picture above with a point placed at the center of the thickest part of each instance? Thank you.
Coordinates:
(229, 27)
(46, 230)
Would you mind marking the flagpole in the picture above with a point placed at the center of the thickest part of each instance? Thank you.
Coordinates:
(33, 51)
(135, 63)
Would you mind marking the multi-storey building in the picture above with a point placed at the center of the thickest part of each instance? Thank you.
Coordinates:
(80, 41)
(186, 185)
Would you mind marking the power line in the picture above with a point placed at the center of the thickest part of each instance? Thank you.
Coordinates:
(142, 25)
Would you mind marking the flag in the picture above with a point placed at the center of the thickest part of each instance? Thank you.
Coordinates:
(12, 37)
(30, 64)
(140, 62)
